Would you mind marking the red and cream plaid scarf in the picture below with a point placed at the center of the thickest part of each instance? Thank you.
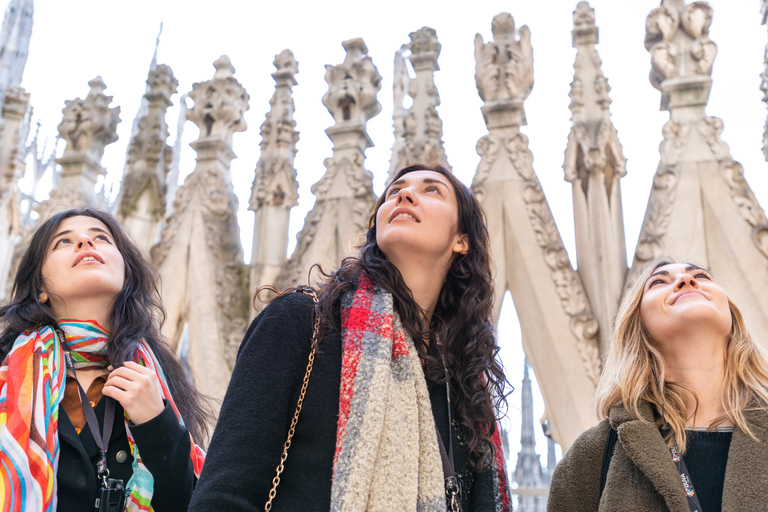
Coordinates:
(387, 457)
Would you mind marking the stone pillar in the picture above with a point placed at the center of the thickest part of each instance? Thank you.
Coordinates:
(594, 164)
(88, 126)
(558, 328)
(199, 256)
(275, 188)
(141, 205)
(764, 77)
(15, 103)
(421, 124)
(345, 193)
(700, 208)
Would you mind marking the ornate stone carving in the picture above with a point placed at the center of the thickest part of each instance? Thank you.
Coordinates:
(401, 83)
(504, 66)
(87, 126)
(345, 192)
(422, 127)
(352, 86)
(681, 51)
(219, 103)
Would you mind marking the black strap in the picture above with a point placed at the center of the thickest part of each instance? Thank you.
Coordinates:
(102, 439)
(682, 470)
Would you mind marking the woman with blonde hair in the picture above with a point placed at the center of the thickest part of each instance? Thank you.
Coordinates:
(683, 398)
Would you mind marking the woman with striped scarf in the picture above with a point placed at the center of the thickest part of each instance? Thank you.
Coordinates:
(96, 411)
(399, 411)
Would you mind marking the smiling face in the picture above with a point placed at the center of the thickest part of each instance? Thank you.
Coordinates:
(678, 298)
(82, 262)
(418, 219)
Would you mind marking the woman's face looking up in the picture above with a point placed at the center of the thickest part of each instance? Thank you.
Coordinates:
(82, 262)
(680, 296)
(418, 219)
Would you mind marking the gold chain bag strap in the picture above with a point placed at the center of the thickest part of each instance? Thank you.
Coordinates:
(281, 466)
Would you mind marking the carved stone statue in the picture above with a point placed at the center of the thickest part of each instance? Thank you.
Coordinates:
(141, 205)
(199, 256)
(594, 164)
(558, 327)
(275, 187)
(87, 126)
(345, 193)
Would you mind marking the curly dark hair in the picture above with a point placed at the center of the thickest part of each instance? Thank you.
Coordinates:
(463, 317)
(137, 312)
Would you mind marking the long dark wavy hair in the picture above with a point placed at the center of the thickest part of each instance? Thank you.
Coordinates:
(136, 313)
(463, 317)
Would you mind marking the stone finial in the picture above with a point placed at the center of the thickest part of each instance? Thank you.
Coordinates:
(352, 86)
(504, 66)
(424, 40)
(89, 125)
(681, 52)
(286, 66)
(219, 103)
(584, 29)
(162, 82)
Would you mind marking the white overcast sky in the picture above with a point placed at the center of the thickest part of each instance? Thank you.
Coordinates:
(73, 41)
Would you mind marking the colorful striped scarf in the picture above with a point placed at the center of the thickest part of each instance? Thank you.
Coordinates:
(387, 456)
(32, 378)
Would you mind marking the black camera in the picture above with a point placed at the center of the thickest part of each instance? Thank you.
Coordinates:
(111, 497)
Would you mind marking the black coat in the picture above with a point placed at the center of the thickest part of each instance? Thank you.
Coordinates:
(164, 447)
(257, 411)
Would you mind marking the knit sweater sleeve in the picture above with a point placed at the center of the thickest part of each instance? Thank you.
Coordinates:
(575, 484)
(257, 409)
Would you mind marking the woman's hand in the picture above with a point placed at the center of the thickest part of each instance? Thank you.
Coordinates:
(138, 391)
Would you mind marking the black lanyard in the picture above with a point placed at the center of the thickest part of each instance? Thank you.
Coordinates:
(452, 484)
(682, 470)
(102, 441)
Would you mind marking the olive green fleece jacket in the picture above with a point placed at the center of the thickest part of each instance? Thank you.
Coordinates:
(642, 475)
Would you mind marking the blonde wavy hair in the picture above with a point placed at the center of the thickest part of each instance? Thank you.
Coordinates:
(634, 370)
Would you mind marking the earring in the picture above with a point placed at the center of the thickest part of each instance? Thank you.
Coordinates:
(43, 297)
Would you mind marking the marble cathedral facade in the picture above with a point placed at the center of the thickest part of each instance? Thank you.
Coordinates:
(565, 313)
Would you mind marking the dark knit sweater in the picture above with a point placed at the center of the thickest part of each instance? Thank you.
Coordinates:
(256, 415)
(705, 458)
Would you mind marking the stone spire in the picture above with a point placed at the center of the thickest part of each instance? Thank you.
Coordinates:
(345, 193)
(275, 188)
(141, 205)
(531, 261)
(422, 127)
(14, 42)
(594, 164)
(12, 166)
(700, 208)
(528, 472)
(199, 256)
(87, 127)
